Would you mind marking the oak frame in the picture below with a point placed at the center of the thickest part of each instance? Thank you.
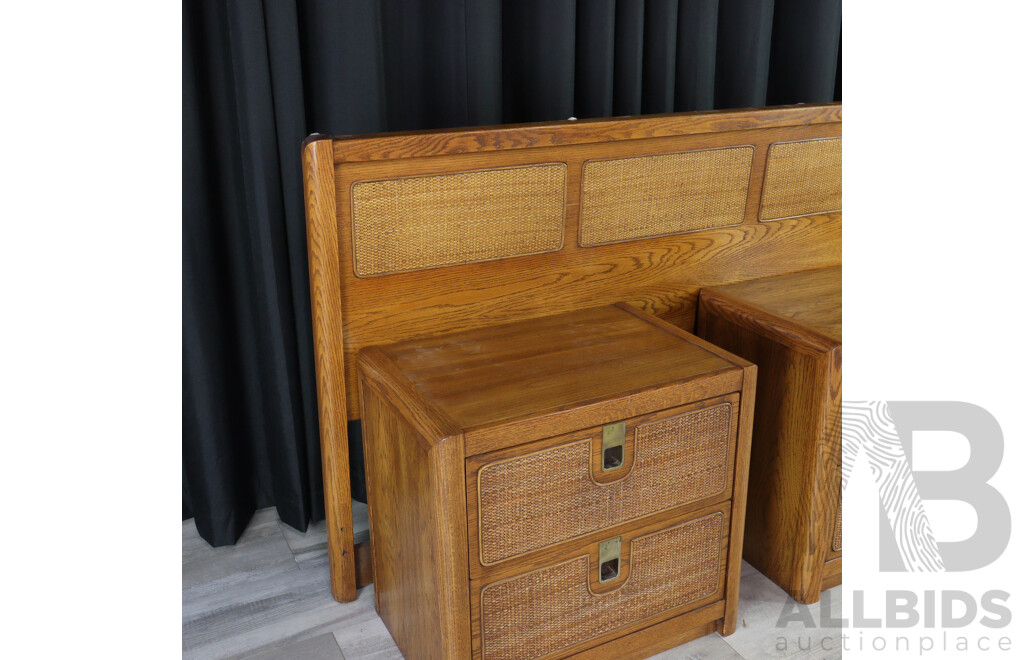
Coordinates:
(661, 275)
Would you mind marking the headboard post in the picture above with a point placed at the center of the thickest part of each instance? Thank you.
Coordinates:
(325, 292)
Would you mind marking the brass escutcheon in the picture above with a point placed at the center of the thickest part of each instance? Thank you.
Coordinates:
(613, 440)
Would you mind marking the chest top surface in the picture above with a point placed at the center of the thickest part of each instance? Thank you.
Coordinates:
(813, 298)
(548, 364)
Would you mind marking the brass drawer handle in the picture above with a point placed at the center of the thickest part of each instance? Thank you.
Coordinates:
(608, 554)
(613, 439)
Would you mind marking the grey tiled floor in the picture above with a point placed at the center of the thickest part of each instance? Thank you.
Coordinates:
(268, 597)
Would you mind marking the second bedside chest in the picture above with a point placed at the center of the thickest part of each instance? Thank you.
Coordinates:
(574, 484)
(792, 326)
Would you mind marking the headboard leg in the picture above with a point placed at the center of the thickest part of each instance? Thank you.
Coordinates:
(325, 293)
(338, 507)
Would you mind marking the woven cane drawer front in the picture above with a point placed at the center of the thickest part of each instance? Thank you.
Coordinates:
(538, 499)
(553, 608)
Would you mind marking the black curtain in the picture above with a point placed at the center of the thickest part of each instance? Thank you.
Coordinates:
(258, 76)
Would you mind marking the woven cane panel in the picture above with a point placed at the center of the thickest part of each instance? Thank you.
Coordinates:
(553, 608)
(837, 534)
(802, 178)
(539, 499)
(424, 222)
(634, 198)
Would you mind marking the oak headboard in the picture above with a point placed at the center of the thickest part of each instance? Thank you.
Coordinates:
(422, 233)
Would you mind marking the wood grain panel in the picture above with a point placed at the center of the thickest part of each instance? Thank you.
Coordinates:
(832, 457)
(832, 574)
(532, 368)
(414, 495)
(419, 144)
(424, 222)
(803, 177)
(805, 305)
(630, 198)
(661, 276)
(515, 432)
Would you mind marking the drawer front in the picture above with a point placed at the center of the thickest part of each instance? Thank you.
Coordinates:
(555, 608)
(553, 494)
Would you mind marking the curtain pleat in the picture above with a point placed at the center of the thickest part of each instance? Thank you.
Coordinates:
(805, 48)
(696, 45)
(342, 66)
(283, 39)
(659, 58)
(424, 46)
(483, 62)
(538, 59)
(262, 242)
(595, 58)
(629, 57)
(742, 51)
(219, 390)
(258, 77)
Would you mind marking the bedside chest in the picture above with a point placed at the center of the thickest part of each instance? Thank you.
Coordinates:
(791, 326)
(568, 485)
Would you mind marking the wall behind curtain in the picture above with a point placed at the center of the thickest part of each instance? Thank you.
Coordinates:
(259, 76)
